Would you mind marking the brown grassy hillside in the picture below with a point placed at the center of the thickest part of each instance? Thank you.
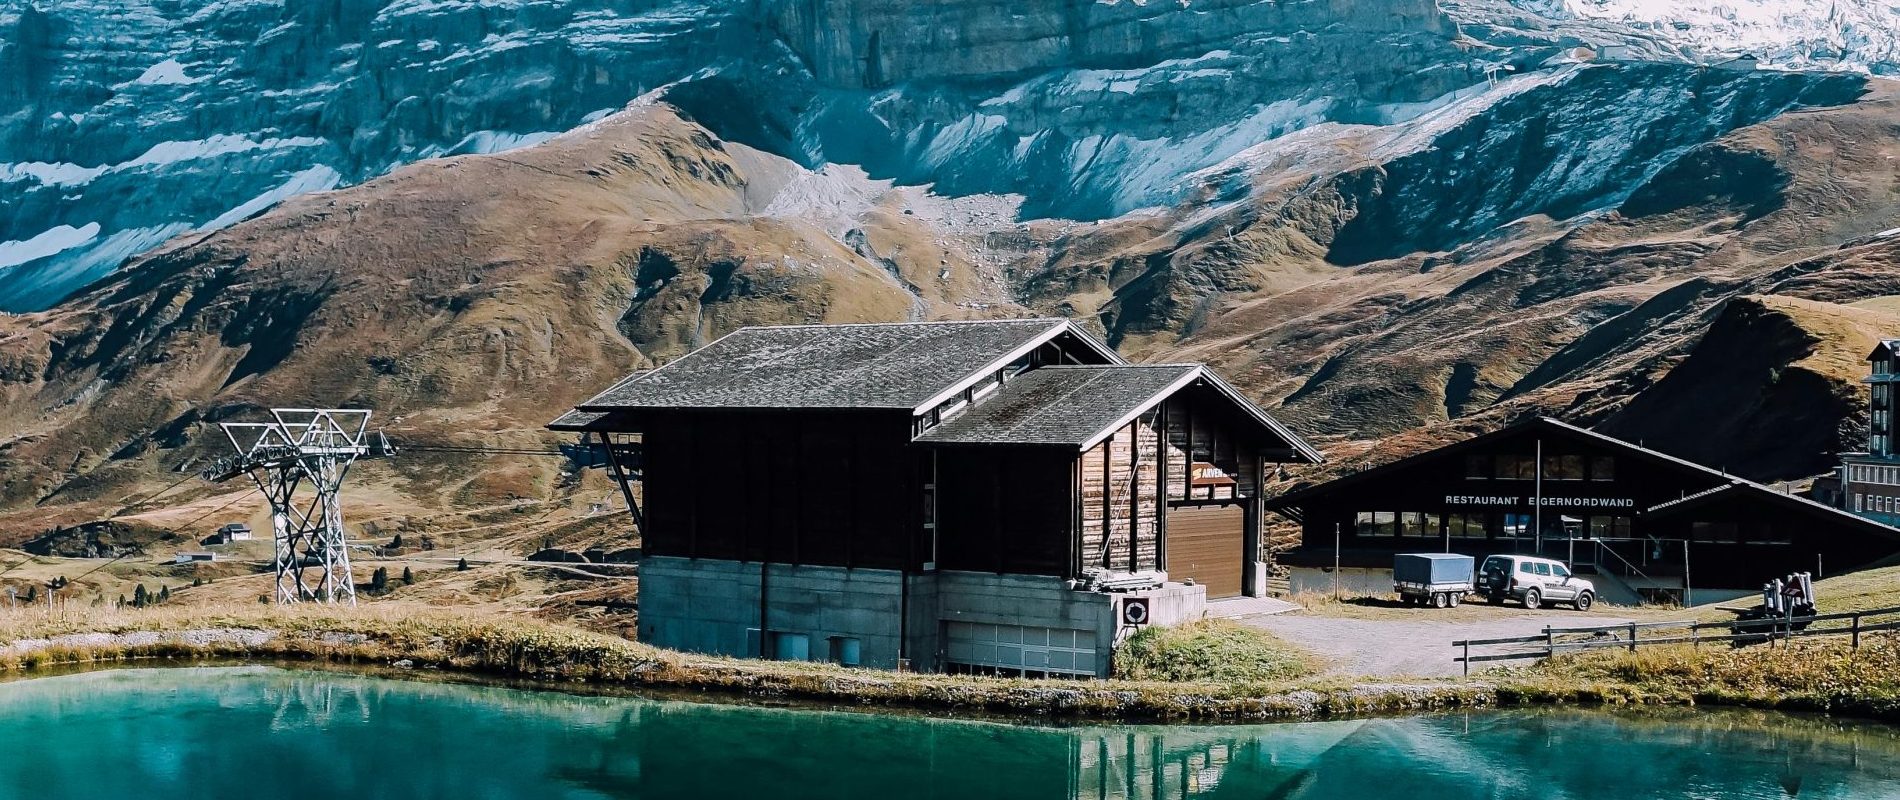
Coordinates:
(470, 300)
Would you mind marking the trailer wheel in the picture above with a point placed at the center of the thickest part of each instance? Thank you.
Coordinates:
(1441, 600)
(1456, 598)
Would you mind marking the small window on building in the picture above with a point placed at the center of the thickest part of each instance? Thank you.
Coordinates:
(1413, 524)
(1385, 523)
(1860, 502)
(1517, 526)
(1478, 466)
(790, 647)
(1362, 524)
(844, 651)
(1602, 468)
(1715, 532)
(1563, 468)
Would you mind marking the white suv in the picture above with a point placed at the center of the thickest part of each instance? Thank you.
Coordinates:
(1534, 581)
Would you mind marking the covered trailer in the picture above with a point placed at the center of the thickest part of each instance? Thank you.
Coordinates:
(1437, 579)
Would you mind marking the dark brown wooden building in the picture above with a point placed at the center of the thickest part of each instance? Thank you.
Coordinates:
(1641, 523)
(962, 495)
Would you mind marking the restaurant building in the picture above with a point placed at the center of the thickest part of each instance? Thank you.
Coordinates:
(1642, 524)
(997, 496)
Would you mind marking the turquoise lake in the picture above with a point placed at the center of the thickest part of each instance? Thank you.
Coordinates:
(258, 732)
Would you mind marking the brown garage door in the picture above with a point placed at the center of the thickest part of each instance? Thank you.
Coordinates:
(1205, 543)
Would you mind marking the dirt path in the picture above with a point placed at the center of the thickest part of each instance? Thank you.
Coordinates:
(1421, 647)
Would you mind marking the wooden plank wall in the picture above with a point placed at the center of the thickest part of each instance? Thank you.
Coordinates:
(1121, 498)
(1197, 432)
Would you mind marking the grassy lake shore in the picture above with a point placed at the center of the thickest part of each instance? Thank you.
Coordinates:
(1806, 677)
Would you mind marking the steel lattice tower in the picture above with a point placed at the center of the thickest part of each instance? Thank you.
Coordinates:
(313, 446)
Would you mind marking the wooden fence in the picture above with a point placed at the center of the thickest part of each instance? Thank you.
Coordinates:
(1632, 635)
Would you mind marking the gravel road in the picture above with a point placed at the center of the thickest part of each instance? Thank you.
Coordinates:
(1421, 648)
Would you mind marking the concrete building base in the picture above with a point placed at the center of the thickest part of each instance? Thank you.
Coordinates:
(883, 618)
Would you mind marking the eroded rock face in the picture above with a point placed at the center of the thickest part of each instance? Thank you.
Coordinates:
(123, 124)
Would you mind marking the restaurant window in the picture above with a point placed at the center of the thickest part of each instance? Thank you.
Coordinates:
(1478, 466)
(1385, 523)
(1714, 532)
(1412, 523)
(1517, 526)
(1770, 534)
(1563, 468)
(1466, 526)
(1521, 468)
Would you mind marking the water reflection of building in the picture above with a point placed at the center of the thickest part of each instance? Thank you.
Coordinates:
(1144, 766)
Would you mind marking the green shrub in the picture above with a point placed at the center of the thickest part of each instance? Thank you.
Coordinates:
(1210, 650)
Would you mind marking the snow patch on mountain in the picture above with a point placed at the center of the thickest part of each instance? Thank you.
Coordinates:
(54, 240)
(1859, 35)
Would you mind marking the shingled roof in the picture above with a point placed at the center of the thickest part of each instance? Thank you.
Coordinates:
(910, 366)
(577, 421)
(1079, 406)
(1063, 405)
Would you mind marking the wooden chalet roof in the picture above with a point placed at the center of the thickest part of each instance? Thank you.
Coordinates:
(577, 421)
(1759, 492)
(1079, 406)
(1063, 405)
(1547, 425)
(909, 366)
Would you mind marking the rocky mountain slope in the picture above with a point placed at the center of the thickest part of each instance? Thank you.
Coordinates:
(123, 125)
(1388, 221)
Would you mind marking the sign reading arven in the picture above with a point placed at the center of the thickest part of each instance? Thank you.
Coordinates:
(1206, 474)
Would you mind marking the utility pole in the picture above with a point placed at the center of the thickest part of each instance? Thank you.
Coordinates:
(1688, 590)
(1336, 535)
(303, 445)
(1537, 499)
